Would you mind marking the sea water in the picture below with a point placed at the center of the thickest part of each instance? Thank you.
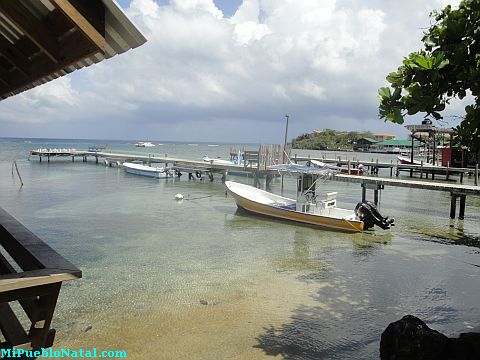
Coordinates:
(199, 279)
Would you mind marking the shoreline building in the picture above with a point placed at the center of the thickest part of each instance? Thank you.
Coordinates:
(363, 144)
(383, 137)
(394, 146)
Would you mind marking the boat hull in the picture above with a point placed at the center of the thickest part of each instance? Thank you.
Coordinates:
(408, 161)
(148, 171)
(297, 216)
(322, 165)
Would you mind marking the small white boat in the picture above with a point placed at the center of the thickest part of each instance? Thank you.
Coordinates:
(218, 161)
(309, 208)
(237, 159)
(407, 160)
(149, 171)
(144, 144)
(343, 170)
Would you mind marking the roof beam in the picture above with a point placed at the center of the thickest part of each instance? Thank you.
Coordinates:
(31, 27)
(14, 55)
(75, 46)
(77, 18)
(4, 76)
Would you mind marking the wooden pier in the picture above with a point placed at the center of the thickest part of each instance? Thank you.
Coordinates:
(378, 183)
(424, 170)
(256, 163)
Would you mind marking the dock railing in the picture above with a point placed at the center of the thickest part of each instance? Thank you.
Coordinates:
(31, 273)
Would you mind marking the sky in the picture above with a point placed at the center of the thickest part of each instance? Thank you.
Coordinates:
(229, 71)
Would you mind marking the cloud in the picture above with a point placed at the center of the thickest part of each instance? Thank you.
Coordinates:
(41, 104)
(200, 72)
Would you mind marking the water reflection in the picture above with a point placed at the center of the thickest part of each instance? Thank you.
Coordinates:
(304, 257)
(453, 235)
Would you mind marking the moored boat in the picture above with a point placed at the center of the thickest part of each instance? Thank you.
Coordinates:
(351, 171)
(405, 160)
(310, 207)
(149, 171)
(144, 144)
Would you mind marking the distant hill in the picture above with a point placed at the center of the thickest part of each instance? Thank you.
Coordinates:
(329, 140)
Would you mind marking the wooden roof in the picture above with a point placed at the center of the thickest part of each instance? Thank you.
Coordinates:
(41, 40)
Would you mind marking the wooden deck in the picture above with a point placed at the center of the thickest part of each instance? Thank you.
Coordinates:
(31, 273)
(415, 184)
(180, 164)
(457, 191)
(395, 167)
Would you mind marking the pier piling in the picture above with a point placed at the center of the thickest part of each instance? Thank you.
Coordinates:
(476, 175)
(461, 213)
(453, 205)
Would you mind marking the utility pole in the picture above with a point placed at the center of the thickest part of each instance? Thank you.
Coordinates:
(285, 143)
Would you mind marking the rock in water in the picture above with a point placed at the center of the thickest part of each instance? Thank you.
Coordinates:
(411, 339)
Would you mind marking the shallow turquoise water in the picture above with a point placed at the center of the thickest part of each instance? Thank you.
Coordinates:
(141, 251)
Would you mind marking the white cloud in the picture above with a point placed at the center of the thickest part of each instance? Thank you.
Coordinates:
(320, 61)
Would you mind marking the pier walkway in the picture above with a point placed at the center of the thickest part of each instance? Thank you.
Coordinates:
(179, 164)
(378, 183)
(202, 166)
(395, 167)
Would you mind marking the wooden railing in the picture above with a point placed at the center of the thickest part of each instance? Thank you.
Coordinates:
(31, 273)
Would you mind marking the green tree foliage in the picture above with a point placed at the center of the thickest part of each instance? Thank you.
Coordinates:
(329, 140)
(448, 67)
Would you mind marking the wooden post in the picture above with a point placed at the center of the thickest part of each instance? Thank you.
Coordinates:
(257, 171)
(448, 165)
(285, 143)
(453, 205)
(461, 213)
(376, 170)
(476, 175)
(391, 168)
(364, 192)
(411, 157)
(96, 159)
(268, 180)
(41, 324)
(421, 169)
(375, 196)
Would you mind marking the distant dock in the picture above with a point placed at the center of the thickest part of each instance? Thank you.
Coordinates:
(192, 167)
(374, 165)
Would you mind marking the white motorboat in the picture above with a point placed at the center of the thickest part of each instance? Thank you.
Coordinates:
(343, 170)
(310, 207)
(144, 144)
(149, 171)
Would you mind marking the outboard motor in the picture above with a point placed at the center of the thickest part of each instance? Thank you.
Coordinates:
(368, 213)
